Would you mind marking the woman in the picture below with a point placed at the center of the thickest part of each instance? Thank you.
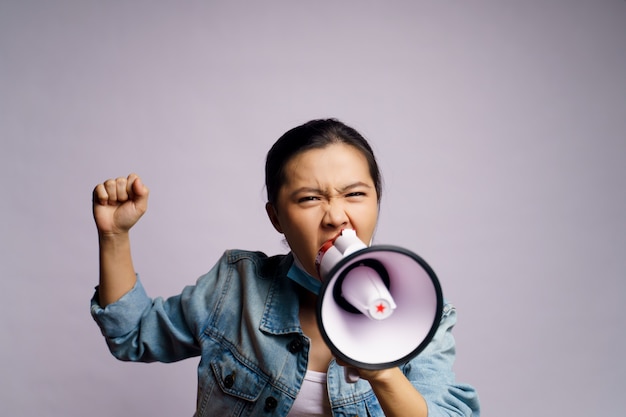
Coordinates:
(252, 318)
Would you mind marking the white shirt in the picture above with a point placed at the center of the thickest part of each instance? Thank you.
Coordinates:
(312, 400)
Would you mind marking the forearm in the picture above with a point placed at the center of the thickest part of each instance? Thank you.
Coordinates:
(397, 396)
(117, 274)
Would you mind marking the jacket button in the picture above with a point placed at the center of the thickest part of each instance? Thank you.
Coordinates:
(296, 345)
(270, 403)
(229, 381)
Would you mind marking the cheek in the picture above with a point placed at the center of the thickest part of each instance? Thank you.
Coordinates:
(297, 219)
(365, 226)
(300, 228)
(368, 222)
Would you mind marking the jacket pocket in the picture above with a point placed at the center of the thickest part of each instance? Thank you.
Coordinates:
(228, 387)
(236, 379)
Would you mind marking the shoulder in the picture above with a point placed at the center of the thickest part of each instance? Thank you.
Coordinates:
(238, 276)
(245, 267)
(264, 266)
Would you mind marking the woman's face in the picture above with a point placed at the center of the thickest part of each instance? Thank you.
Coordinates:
(326, 190)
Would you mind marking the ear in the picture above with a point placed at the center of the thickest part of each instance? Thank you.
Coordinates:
(271, 213)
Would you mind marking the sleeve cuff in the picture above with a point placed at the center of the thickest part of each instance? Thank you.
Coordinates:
(121, 317)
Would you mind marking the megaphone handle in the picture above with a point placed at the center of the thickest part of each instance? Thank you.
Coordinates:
(351, 375)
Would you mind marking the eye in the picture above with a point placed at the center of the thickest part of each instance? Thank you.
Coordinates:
(308, 198)
(356, 194)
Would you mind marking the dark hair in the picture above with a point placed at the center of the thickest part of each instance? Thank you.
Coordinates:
(315, 134)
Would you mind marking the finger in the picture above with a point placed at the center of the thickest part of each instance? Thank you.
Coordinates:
(121, 185)
(130, 184)
(341, 363)
(110, 187)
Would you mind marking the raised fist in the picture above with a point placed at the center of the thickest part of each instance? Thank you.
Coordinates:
(119, 203)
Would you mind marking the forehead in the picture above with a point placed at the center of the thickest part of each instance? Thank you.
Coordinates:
(333, 163)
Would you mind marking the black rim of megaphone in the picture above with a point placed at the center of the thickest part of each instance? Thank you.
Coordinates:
(431, 333)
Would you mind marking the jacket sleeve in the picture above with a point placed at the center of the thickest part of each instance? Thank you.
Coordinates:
(431, 373)
(140, 329)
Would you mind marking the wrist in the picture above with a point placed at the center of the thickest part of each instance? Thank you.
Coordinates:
(384, 377)
(113, 239)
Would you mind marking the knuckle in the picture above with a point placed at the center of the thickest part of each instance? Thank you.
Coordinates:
(109, 184)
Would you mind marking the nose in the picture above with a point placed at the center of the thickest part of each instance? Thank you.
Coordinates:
(336, 216)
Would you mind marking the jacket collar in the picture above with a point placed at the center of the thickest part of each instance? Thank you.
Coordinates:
(282, 305)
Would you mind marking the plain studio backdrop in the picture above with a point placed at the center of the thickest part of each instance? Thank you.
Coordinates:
(500, 127)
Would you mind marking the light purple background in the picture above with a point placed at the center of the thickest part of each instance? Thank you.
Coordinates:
(501, 131)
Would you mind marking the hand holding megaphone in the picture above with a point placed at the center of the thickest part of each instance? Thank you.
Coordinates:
(379, 306)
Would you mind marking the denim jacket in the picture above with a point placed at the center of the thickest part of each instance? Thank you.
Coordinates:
(241, 318)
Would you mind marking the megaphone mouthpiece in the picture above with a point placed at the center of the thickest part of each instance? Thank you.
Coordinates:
(340, 246)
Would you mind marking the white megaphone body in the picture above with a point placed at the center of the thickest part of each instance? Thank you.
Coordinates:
(379, 306)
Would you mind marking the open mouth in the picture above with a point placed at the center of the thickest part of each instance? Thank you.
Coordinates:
(325, 247)
(331, 241)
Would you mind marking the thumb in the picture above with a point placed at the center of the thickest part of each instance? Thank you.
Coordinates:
(137, 190)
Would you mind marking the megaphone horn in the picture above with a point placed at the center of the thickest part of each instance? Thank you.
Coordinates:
(379, 306)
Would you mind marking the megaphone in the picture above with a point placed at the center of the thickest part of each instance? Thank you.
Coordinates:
(378, 306)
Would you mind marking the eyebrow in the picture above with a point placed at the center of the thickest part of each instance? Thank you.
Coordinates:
(314, 190)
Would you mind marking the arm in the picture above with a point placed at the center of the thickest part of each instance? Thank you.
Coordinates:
(396, 395)
(117, 205)
(136, 327)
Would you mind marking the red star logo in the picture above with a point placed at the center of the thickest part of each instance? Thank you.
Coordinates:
(380, 308)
